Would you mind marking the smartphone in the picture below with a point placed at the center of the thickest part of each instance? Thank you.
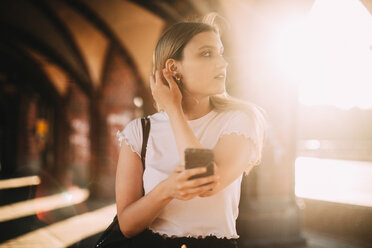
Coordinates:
(197, 157)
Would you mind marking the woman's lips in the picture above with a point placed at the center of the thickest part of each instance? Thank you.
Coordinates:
(220, 76)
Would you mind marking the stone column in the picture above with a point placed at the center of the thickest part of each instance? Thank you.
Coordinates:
(112, 108)
(269, 216)
(61, 133)
(28, 155)
(99, 188)
(78, 114)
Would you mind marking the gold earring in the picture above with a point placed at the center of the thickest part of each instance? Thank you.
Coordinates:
(178, 77)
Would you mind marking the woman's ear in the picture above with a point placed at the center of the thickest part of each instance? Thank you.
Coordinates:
(171, 65)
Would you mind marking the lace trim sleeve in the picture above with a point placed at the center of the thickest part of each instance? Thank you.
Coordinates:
(202, 236)
(132, 136)
(239, 133)
(240, 124)
(253, 159)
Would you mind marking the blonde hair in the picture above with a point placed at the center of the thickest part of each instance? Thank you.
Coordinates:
(171, 45)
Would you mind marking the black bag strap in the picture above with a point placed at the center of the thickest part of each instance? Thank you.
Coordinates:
(146, 124)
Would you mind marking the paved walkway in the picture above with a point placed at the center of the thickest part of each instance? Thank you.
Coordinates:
(68, 219)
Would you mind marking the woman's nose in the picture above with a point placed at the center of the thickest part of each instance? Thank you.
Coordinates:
(222, 63)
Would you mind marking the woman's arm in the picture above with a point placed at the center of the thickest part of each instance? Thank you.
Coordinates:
(232, 153)
(135, 211)
(129, 191)
(168, 96)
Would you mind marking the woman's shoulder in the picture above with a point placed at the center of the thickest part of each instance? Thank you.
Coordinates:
(136, 123)
(235, 121)
(232, 115)
(159, 116)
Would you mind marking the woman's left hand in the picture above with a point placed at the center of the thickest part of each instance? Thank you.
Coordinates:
(165, 92)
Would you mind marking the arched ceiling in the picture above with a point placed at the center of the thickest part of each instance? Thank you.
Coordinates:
(136, 28)
(76, 35)
(69, 39)
(25, 23)
(18, 66)
(56, 75)
(92, 43)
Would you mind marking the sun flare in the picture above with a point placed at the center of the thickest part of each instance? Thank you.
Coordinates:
(329, 54)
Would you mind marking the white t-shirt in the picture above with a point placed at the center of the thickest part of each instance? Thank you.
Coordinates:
(202, 216)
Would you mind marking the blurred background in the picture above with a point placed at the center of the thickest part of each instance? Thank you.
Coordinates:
(75, 72)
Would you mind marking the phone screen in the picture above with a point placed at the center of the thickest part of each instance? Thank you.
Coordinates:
(197, 157)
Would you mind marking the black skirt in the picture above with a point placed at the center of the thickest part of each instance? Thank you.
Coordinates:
(148, 239)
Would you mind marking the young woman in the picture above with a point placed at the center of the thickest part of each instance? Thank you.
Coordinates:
(188, 87)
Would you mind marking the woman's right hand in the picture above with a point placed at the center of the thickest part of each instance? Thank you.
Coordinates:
(165, 91)
(178, 186)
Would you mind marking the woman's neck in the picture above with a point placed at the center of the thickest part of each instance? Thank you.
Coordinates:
(194, 108)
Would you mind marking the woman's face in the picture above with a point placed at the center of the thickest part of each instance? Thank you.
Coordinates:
(203, 67)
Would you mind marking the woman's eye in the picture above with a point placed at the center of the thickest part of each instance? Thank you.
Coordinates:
(206, 54)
